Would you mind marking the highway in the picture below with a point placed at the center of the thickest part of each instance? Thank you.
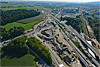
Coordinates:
(89, 55)
(88, 31)
(80, 53)
(92, 48)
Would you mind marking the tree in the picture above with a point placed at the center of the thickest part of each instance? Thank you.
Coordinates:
(5, 35)
(17, 14)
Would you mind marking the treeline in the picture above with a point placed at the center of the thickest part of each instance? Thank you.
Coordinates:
(11, 33)
(74, 22)
(41, 50)
(16, 46)
(17, 14)
(95, 24)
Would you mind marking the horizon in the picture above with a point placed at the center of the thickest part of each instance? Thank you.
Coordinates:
(76, 1)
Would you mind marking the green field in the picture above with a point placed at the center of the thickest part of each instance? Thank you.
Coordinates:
(29, 25)
(28, 20)
(26, 60)
(11, 25)
(25, 26)
(29, 8)
(25, 23)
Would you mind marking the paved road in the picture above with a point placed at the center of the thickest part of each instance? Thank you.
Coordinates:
(80, 53)
(84, 25)
(93, 59)
(92, 48)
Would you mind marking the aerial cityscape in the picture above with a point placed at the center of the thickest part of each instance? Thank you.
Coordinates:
(53, 33)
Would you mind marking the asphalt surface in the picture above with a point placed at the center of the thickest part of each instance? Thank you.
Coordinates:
(92, 48)
(87, 61)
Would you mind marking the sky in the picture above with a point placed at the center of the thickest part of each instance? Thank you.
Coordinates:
(57, 0)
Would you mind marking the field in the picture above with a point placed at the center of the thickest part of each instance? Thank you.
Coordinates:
(26, 60)
(29, 25)
(32, 19)
(29, 8)
(25, 23)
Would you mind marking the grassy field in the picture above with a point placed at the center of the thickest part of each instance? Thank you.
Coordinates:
(29, 8)
(25, 26)
(26, 60)
(30, 25)
(25, 23)
(10, 25)
(28, 20)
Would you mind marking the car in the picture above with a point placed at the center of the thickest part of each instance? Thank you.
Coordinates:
(6, 41)
(53, 48)
(68, 39)
(73, 34)
(86, 52)
(86, 58)
(33, 33)
(48, 42)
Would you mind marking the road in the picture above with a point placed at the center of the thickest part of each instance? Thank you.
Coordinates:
(80, 53)
(84, 25)
(92, 48)
(78, 36)
(31, 35)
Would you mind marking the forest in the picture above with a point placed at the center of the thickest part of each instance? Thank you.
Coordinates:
(16, 46)
(41, 50)
(74, 22)
(11, 33)
(17, 14)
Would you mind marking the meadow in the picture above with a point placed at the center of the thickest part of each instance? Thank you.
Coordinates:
(29, 8)
(25, 23)
(29, 20)
(26, 60)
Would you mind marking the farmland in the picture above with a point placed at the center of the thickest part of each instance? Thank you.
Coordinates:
(25, 23)
(29, 25)
(32, 19)
(29, 8)
(12, 6)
